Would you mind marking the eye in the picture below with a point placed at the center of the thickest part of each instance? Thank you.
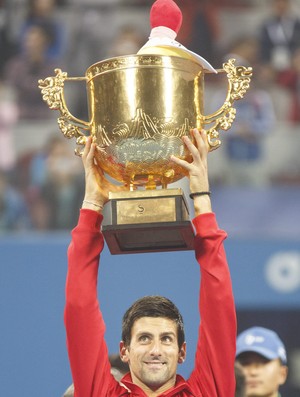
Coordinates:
(167, 339)
(144, 339)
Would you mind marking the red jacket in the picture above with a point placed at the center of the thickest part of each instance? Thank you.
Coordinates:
(213, 374)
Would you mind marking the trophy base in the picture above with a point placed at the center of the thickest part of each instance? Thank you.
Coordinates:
(148, 221)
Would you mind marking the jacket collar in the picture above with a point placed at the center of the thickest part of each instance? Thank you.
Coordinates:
(180, 385)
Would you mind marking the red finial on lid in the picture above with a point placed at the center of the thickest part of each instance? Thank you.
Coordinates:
(166, 13)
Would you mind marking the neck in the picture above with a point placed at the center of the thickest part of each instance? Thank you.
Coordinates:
(150, 391)
(276, 394)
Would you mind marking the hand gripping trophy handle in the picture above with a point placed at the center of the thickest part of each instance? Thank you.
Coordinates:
(52, 90)
(238, 83)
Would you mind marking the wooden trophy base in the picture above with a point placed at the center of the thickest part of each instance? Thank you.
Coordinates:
(148, 221)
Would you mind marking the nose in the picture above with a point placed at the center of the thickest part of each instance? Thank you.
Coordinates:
(252, 369)
(155, 349)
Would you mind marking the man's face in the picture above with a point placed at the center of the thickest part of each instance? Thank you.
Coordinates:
(281, 7)
(153, 354)
(263, 377)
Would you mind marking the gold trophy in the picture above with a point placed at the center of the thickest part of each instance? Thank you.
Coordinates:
(140, 106)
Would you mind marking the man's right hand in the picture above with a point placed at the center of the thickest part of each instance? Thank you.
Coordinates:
(97, 186)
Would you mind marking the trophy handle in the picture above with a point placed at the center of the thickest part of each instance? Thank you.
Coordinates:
(52, 90)
(238, 83)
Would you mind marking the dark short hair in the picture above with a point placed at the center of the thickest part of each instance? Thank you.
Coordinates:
(152, 306)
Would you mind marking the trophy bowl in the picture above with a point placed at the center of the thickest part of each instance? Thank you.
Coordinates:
(148, 104)
(140, 106)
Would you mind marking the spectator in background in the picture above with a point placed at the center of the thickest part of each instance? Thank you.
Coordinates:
(8, 118)
(55, 192)
(14, 214)
(7, 47)
(43, 12)
(90, 37)
(262, 355)
(127, 41)
(23, 72)
(290, 79)
(200, 31)
(255, 117)
(279, 36)
(63, 185)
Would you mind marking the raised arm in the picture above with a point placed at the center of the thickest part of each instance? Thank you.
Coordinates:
(97, 186)
(213, 374)
(198, 175)
(83, 320)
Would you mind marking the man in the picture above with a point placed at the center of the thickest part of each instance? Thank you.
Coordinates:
(262, 355)
(153, 342)
(279, 36)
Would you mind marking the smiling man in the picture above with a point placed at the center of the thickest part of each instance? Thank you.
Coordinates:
(153, 340)
(262, 355)
(154, 351)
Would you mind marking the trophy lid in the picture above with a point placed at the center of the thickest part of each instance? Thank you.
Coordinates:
(166, 20)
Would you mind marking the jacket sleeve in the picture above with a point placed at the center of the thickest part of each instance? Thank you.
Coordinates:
(84, 324)
(213, 374)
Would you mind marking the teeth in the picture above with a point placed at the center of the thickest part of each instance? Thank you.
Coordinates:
(154, 362)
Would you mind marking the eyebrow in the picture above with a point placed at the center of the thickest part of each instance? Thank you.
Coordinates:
(162, 334)
(167, 333)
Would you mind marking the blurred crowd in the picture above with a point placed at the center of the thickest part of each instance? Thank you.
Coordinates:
(41, 180)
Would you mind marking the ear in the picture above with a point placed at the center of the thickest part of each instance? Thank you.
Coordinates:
(283, 374)
(124, 353)
(182, 354)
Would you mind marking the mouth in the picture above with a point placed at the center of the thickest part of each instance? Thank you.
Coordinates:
(155, 364)
(254, 384)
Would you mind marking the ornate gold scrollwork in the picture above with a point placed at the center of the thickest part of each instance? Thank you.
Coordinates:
(140, 107)
(52, 89)
(238, 83)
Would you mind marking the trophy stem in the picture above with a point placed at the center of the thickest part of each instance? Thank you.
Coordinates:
(151, 184)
